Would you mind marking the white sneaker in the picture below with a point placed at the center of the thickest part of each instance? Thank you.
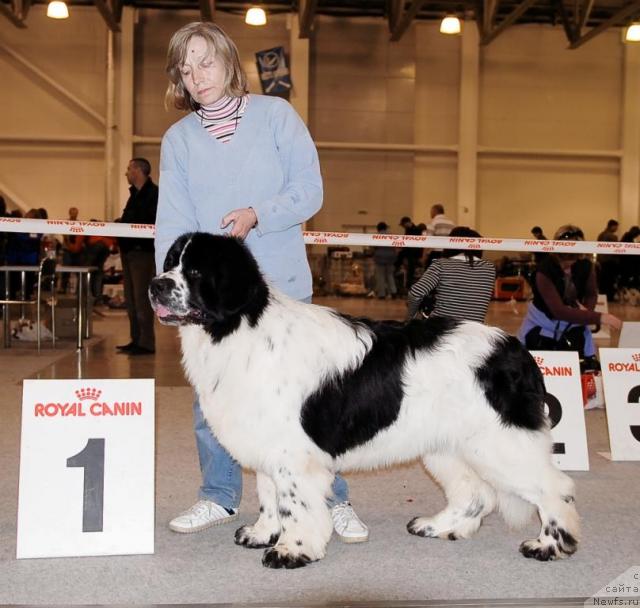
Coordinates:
(201, 516)
(348, 525)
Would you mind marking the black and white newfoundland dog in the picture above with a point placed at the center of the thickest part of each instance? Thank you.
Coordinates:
(297, 392)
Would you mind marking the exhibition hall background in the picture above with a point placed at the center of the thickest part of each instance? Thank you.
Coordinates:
(520, 132)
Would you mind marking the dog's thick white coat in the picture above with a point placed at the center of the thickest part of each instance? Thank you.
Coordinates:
(252, 385)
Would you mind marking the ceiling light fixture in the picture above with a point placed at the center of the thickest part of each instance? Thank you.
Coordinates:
(57, 10)
(633, 33)
(255, 16)
(450, 25)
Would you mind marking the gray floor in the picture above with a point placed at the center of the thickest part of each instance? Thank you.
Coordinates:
(392, 567)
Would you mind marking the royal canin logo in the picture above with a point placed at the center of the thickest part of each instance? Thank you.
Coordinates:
(554, 370)
(88, 393)
(626, 366)
(87, 403)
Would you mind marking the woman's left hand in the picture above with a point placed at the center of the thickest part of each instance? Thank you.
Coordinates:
(243, 221)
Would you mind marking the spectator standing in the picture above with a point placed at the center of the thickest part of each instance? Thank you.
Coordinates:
(410, 254)
(538, 234)
(3, 246)
(259, 183)
(384, 259)
(629, 265)
(440, 225)
(138, 265)
(72, 250)
(608, 262)
(96, 251)
(23, 249)
(460, 283)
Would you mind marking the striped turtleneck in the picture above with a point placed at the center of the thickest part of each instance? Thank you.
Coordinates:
(221, 118)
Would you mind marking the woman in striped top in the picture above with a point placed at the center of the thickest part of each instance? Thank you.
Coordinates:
(461, 283)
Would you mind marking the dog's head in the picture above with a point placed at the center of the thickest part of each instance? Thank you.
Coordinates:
(209, 280)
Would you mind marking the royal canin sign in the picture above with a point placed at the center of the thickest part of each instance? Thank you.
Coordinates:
(87, 403)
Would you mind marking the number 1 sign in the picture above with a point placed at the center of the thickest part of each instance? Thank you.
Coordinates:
(86, 468)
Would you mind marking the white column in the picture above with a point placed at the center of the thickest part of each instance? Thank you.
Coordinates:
(125, 106)
(468, 126)
(630, 162)
(110, 129)
(299, 59)
(299, 70)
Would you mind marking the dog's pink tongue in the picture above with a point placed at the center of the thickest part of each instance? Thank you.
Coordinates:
(162, 311)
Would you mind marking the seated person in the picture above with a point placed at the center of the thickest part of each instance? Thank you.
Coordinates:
(565, 293)
(461, 283)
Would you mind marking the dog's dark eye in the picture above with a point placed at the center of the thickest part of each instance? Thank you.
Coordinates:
(194, 273)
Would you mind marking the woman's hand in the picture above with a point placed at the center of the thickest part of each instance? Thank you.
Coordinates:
(243, 221)
(611, 320)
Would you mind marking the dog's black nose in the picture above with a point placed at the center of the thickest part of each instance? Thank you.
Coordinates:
(161, 286)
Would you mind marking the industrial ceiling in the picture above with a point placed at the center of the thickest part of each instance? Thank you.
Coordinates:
(581, 20)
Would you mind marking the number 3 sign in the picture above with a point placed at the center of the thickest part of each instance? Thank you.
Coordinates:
(86, 468)
(621, 376)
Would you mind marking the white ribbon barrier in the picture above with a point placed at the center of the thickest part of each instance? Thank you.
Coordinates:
(115, 229)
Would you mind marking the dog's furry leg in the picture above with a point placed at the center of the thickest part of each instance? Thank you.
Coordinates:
(304, 516)
(560, 530)
(522, 465)
(265, 532)
(469, 498)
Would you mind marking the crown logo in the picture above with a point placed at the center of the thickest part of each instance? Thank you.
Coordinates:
(88, 393)
(636, 356)
(539, 360)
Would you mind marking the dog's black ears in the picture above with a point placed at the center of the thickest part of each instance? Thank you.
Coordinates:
(175, 251)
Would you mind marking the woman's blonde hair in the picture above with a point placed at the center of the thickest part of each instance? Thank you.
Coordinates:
(235, 84)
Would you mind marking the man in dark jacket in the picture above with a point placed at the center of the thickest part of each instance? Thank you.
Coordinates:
(138, 265)
(410, 254)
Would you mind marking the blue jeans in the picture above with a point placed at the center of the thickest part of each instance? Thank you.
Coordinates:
(222, 475)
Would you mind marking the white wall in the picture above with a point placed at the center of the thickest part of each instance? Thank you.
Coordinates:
(362, 90)
(73, 53)
(533, 94)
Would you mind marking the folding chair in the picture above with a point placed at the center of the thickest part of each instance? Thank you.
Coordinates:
(46, 275)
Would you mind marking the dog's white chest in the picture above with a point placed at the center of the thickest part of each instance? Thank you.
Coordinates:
(245, 402)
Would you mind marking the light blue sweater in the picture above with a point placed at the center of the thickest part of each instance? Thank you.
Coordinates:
(270, 164)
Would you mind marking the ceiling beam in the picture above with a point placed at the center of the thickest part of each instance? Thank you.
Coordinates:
(16, 19)
(510, 19)
(394, 10)
(585, 11)
(208, 10)
(489, 9)
(405, 19)
(21, 8)
(569, 24)
(117, 9)
(104, 8)
(615, 19)
(306, 15)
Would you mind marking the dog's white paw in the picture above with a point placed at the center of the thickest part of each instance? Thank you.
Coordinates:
(252, 538)
(281, 557)
(436, 527)
(543, 551)
(554, 543)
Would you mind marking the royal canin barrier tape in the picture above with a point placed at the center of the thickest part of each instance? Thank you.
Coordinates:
(115, 229)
